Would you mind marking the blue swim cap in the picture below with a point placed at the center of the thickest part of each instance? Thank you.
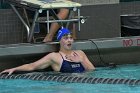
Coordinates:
(62, 32)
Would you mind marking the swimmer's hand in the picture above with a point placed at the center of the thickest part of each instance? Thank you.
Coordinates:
(75, 58)
(9, 71)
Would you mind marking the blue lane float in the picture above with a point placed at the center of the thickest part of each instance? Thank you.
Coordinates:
(69, 78)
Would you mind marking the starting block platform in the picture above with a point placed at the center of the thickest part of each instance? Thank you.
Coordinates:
(46, 5)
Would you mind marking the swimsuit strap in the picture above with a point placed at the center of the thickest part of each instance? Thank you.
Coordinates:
(61, 55)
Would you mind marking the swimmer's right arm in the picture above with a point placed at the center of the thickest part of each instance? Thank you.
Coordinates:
(26, 67)
(40, 64)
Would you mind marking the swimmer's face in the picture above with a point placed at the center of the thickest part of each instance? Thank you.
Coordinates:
(66, 41)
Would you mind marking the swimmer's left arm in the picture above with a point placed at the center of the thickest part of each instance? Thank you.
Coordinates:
(86, 63)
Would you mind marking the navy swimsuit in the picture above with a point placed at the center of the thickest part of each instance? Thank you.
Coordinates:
(71, 67)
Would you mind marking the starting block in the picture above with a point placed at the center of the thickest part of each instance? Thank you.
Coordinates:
(46, 5)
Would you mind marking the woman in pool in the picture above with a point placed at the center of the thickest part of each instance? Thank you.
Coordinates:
(66, 60)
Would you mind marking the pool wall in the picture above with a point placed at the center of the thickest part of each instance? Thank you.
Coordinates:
(101, 52)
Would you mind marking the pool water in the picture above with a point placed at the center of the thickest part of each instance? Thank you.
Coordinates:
(121, 71)
(33, 86)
